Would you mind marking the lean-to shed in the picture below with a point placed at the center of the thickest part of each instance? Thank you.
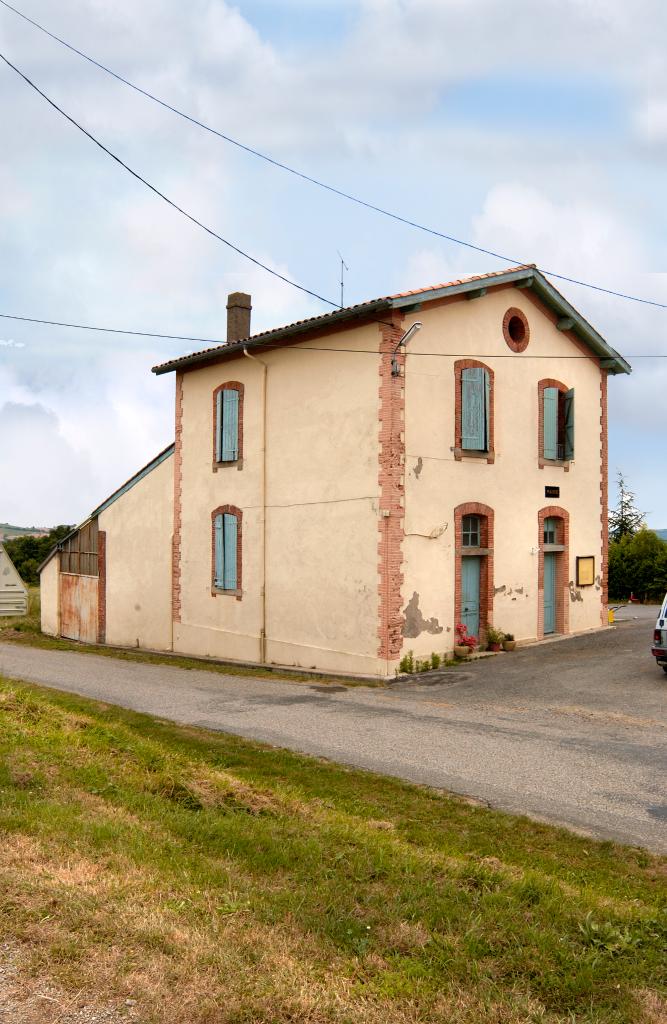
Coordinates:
(13, 591)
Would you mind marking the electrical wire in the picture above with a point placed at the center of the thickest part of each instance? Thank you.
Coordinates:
(304, 348)
(463, 355)
(315, 181)
(161, 195)
(111, 330)
(189, 217)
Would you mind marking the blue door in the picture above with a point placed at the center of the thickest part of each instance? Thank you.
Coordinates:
(470, 593)
(550, 593)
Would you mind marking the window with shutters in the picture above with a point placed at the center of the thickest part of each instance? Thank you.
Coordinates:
(556, 420)
(474, 406)
(228, 425)
(226, 550)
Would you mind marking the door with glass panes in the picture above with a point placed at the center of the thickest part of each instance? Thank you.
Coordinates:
(550, 575)
(471, 571)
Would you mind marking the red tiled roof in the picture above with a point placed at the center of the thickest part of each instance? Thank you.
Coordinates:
(323, 318)
(464, 280)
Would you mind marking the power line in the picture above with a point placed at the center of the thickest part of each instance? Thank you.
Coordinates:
(315, 181)
(111, 330)
(302, 348)
(461, 355)
(161, 195)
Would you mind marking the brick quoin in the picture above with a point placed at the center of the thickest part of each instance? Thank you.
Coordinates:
(233, 511)
(459, 366)
(391, 483)
(178, 488)
(546, 382)
(562, 567)
(102, 587)
(229, 385)
(487, 516)
(604, 497)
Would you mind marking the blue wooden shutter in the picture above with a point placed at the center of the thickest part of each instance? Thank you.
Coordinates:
(218, 426)
(230, 530)
(230, 425)
(219, 552)
(568, 401)
(472, 409)
(487, 410)
(551, 423)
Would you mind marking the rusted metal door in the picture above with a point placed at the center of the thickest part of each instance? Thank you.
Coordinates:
(78, 607)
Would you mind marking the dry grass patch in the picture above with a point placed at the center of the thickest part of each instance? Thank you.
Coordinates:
(215, 881)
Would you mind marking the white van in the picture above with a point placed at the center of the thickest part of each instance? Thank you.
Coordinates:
(659, 649)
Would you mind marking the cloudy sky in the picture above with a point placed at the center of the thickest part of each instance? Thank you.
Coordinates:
(539, 132)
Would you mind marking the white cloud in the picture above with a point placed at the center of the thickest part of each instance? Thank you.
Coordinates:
(81, 240)
(651, 119)
(39, 469)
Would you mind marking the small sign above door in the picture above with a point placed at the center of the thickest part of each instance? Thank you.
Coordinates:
(552, 492)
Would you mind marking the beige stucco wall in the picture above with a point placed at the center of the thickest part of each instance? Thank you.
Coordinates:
(322, 508)
(514, 485)
(49, 596)
(138, 527)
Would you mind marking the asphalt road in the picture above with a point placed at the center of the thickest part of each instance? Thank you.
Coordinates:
(572, 732)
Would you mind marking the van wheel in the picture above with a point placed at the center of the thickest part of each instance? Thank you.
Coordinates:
(664, 668)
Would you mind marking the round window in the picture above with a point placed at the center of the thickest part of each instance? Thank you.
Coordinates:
(516, 330)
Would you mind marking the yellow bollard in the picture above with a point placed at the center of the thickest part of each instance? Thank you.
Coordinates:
(610, 616)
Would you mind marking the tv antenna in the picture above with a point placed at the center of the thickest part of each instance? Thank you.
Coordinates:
(343, 268)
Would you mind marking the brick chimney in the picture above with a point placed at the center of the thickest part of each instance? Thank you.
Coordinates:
(239, 306)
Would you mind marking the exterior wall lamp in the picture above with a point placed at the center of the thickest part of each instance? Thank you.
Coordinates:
(395, 368)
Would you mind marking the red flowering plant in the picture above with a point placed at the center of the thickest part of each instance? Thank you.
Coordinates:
(462, 637)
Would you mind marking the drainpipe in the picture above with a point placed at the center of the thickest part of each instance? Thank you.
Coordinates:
(262, 632)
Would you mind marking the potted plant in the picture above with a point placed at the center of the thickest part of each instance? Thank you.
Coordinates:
(494, 638)
(509, 643)
(465, 643)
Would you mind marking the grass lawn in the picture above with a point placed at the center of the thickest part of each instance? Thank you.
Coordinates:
(214, 880)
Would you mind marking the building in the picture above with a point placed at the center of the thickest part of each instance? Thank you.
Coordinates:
(13, 591)
(351, 487)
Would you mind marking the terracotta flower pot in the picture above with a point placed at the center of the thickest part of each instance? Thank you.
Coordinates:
(509, 645)
(461, 651)
(494, 647)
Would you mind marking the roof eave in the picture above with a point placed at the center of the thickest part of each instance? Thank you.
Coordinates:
(165, 454)
(610, 359)
(521, 277)
(528, 277)
(128, 485)
(478, 284)
(271, 338)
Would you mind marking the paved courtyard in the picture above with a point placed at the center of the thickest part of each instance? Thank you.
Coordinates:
(572, 732)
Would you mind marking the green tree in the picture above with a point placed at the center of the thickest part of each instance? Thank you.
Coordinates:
(638, 565)
(625, 519)
(28, 553)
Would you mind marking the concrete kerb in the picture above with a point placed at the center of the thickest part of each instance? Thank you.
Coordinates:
(270, 670)
(429, 678)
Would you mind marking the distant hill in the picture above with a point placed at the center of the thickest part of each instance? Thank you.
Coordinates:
(662, 534)
(9, 532)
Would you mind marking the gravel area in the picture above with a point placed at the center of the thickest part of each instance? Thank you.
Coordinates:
(25, 999)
